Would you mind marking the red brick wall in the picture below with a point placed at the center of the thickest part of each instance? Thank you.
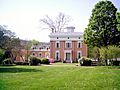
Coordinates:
(62, 48)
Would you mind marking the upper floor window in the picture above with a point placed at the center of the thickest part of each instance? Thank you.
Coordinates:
(68, 44)
(33, 54)
(57, 44)
(40, 55)
(79, 45)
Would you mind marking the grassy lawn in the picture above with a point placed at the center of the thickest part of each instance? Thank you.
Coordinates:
(59, 77)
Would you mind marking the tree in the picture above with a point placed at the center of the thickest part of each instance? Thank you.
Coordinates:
(118, 20)
(103, 54)
(56, 25)
(96, 53)
(28, 46)
(5, 37)
(102, 30)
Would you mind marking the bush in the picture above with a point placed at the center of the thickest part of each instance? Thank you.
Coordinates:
(34, 61)
(115, 63)
(21, 63)
(45, 61)
(7, 61)
(85, 61)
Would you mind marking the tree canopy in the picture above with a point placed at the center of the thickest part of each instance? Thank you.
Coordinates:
(102, 27)
(118, 20)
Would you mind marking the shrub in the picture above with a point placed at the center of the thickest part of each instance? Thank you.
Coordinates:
(7, 61)
(34, 61)
(45, 61)
(115, 63)
(85, 61)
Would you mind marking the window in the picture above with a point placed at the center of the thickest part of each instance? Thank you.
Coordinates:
(79, 54)
(57, 54)
(57, 38)
(68, 37)
(67, 56)
(33, 54)
(40, 55)
(68, 44)
(57, 44)
(79, 45)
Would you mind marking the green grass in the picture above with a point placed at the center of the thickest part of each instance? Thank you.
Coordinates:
(59, 77)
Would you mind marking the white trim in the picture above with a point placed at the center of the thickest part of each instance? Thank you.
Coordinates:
(80, 44)
(56, 44)
(68, 42)
(58, 54)
(78, 53)
(39, 54)
(68, 51)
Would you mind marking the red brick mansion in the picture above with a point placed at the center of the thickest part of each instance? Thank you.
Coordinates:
(67, 46)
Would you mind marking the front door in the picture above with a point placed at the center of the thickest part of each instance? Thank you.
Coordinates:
(67, 56)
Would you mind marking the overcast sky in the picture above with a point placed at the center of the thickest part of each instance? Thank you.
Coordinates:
(22, 16)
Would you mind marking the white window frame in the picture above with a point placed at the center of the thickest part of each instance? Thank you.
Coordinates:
(56, 44)
(39, 54)
(80, 44)
(68, 42)
(68, 51)
(58, 54)
(78, 54)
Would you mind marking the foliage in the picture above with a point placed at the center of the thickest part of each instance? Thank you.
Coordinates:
(116, 63)
(110, 52)
(102, 30)
(118, 20)
(45, 61)
(57, 24)
(1, 55)
(85, 61)
(96, 53)
(5, 37)
(7, 61)
(34, 61)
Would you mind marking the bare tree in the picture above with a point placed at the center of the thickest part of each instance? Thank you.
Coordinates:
(57, 24)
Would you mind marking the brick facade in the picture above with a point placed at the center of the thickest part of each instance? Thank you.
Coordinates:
(67, 46)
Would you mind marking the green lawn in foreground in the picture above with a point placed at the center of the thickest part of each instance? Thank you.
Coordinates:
(59, 77)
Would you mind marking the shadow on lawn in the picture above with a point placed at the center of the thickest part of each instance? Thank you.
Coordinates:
(17, 70)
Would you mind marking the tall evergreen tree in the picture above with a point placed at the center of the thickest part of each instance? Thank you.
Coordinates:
(102, 27)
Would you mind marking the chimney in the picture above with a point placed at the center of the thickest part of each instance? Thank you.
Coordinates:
(70, 29)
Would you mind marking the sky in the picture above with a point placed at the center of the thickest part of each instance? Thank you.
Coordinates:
(23, 16)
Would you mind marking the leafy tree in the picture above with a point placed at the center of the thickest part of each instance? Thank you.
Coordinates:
(118, 20)
(96, 53)
(5, 37)
(28, 46)
(103, 54)
(57, 24)
(102, 30)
